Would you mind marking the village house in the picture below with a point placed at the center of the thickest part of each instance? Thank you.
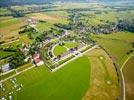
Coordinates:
(5, 67)
(37, 60)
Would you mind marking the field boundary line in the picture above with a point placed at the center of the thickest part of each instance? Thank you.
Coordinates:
(123, 75)
(126, 61)
(119, 74)
(10, 42)
(7, 72)
(17, 74)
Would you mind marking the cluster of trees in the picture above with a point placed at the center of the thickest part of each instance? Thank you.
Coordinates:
(17, 59)
(131, 50)
(126, 25)
(54, 32)
(64, 26)
(15, 13)
(27, 29)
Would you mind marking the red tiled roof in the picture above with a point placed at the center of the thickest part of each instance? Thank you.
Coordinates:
(36, 58)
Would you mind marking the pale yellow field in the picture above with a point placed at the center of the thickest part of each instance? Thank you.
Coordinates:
(102, 71)
(49, 17)
(9, 28)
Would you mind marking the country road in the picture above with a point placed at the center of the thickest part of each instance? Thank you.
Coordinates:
(120, 76)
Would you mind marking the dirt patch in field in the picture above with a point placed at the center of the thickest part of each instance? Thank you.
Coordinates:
(104, 81)
(10, 32)
(39, 16)
(128, 71)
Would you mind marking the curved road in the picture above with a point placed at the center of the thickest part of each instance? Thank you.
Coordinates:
(120, 76)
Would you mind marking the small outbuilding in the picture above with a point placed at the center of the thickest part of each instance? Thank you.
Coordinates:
(5, 67)
(37, 60)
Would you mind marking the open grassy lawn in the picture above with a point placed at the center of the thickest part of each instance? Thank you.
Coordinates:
(44, 26)
(50, 17)
(7, 75)
(25, 39)
(13, 44)
(9, 22)
(4, 54)
(71, 44)
(117, 44)
(128, 71)
(102, 18)
(4, 11)
(104, 81)
(9, 28)
(69, 83)
(59, 50)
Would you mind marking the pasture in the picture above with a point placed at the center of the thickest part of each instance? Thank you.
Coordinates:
(94, 19)
(58, 86)
(104, 81)
(51, 17)
(59, 49)
(117, 44)
(5, 54)
(9, 28)
(128, 71)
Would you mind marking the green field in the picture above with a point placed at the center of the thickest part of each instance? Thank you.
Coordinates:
(44, 26)
(61, 49)
(4, 54)
(71, 44)
(69, 83)
(117, 44)
(102, 71)
(51, 17)
(4, 11)
(9, 22)
(128, 71)
(9, 28)
(93, 19)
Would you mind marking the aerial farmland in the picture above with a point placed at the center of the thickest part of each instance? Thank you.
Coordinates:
(66, 50)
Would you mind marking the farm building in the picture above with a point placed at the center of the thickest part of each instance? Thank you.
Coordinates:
(37, 60)
(5, 67)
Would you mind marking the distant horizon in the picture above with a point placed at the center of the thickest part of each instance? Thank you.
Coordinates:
(4, 3)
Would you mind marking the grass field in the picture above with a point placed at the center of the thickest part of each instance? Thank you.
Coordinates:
(117, 44)
(61, 49)
(128, 71)
(25, 39)
(102, 18)
(71, 44)
(4, 54)
(7, 75)
(69, 83)
(104, 80)
(9, 28)
(51, 17)
(4, 11)
(44, 26)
